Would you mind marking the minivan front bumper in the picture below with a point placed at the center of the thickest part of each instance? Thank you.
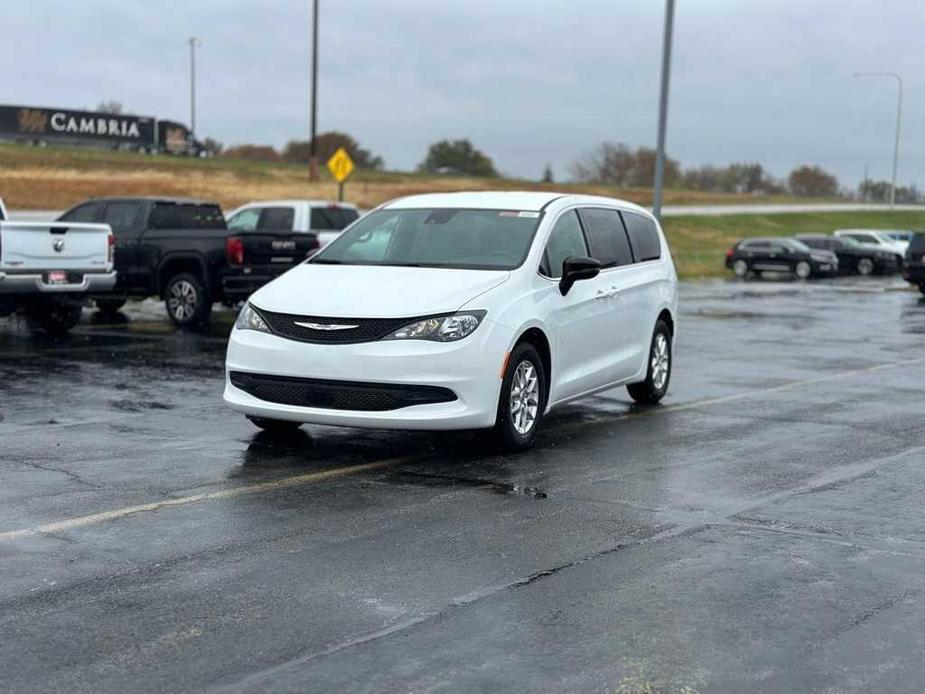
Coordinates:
(470, 370)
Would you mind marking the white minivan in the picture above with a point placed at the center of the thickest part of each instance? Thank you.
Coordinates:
(461, 311)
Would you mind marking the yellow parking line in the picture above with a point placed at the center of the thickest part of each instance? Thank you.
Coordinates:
(311, 477)
(294, 481)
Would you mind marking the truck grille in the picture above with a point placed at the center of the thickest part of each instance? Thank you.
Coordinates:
(296, 327)
(337, 395)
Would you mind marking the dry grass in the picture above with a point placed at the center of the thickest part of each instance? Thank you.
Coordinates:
(56, 178)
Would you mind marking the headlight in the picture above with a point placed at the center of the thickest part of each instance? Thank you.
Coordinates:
(443, 329)
(249, 319)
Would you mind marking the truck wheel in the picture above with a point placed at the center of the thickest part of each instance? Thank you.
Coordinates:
(56, 318)
(109, 305)
(187, 301)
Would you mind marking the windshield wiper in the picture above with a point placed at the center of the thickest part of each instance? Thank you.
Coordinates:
(325, 261)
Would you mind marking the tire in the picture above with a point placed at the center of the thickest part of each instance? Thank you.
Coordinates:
(740, 268)
(803, 270)
(109, 305)
(866, 266)
(187, 301)
(523, 399)
(658, 374)
(275, 426)
(55, 318)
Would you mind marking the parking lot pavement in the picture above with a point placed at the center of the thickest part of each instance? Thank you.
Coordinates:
(761, 530)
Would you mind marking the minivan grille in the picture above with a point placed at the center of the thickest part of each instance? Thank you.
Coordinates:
(338, 395)
(296, 327)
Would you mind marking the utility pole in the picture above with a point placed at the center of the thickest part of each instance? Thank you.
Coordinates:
(663, 110)
(193, 42)
(899, 116)
(313, 153)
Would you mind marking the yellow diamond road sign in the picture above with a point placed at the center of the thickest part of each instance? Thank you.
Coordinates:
(340, 165)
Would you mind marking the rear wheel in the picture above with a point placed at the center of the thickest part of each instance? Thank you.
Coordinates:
(523, 398)
(803, 270)
(740, 268)
(53, 317)
(275, 426)
(109, 305)
(658, 376)
(187, 300)
(866, 266)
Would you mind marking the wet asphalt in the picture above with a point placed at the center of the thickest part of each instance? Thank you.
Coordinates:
(762, 530)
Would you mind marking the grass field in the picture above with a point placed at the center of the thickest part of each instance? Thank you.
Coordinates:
(56, 178)
(699, 244)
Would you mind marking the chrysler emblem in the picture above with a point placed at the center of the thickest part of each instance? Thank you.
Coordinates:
(326, 326)
(58, 245)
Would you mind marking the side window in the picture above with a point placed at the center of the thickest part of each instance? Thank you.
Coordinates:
(279, 218)
(566, 239)
(245, 220)
(643, 237)
(83, 213)
(756, 245)
(609, 244)
(863, 238)
(122, 216)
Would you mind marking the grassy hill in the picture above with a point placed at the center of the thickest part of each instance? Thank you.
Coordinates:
(56, 178)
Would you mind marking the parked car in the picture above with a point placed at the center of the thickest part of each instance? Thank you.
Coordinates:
(776, 254)
(46, 270)
(182, 251)
(903, 236)
(876, 238)
(853, 258)
(324, 218)
(461, 311)
(914, 270)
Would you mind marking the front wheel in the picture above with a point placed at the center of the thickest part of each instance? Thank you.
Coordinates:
(803, 270)
(56, 318)
(658, 376)
(187, 300)
(523, 398)
(866, 267)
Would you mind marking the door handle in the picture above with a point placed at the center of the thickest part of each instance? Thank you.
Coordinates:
(607, 293)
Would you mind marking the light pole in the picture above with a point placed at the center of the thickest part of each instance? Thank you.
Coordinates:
(193, 42)
(899, 116)
(313, 153)
(663, 110)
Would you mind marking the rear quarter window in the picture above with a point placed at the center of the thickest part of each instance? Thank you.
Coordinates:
(643, 237)
(279, 218)
(332, 218)
(184, 216)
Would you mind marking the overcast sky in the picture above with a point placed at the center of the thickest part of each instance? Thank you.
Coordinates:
(528, 82)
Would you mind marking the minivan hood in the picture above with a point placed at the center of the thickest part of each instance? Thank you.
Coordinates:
(374, 291)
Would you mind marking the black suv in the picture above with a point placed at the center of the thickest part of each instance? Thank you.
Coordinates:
(914, 270)
(780, 255)
(853, 257)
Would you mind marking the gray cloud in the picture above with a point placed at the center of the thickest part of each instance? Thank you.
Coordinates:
(529, 82)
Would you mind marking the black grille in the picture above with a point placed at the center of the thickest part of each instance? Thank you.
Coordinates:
(366, 330)
(338, 395)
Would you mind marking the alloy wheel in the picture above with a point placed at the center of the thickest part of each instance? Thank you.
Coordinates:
(182, 301)
(661, 361)
(865, 266)
(525, 397)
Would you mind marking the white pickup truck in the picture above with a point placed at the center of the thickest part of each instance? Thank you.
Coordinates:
(47, 269)
(323, 218)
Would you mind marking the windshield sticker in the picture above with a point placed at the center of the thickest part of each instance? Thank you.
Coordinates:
(522, 215)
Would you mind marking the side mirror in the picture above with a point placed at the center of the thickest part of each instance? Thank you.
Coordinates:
(575, 269)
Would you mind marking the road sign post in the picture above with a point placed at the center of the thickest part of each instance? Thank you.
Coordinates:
(341, 166)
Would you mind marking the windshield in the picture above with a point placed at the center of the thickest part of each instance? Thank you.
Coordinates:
(799, 245)
(446, 238)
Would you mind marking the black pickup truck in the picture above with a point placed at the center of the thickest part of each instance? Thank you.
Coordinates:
(182, 251)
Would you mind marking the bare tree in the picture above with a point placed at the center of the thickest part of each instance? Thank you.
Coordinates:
(111, 106)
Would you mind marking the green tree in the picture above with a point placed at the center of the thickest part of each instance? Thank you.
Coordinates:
(812, 181)
(457, 157)
(252, 152)
(299, 151)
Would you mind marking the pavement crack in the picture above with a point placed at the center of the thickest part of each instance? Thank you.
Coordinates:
(73, 476)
